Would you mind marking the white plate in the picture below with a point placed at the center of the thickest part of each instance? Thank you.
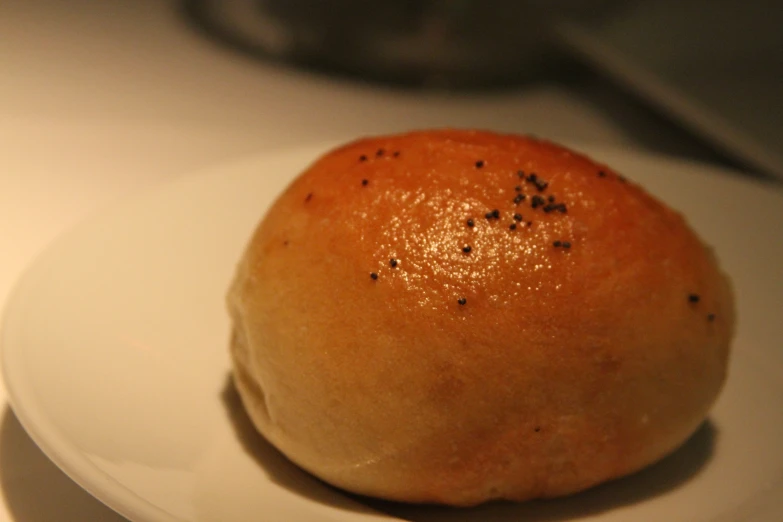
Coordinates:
(115, 358)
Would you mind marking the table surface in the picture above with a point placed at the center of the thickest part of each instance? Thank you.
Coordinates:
(99, 100)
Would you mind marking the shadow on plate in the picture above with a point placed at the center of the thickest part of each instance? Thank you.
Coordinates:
(34, 489)
(668, 474)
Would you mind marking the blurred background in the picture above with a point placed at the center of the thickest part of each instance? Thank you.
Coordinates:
(693, 78)
(101, 98)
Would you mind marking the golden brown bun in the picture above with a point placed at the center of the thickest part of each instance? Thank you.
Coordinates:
(562, 368)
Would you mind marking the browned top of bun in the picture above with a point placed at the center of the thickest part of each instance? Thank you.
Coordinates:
(573, 343)
(409, 198)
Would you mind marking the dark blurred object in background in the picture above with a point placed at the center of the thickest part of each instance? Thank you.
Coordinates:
(440, 43)
(711, 67)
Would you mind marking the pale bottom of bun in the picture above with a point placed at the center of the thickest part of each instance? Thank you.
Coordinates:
(397, 478)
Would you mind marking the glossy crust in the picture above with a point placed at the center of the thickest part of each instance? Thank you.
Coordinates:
(564, 367)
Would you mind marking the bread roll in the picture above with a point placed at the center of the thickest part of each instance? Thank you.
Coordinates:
(456, 316)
